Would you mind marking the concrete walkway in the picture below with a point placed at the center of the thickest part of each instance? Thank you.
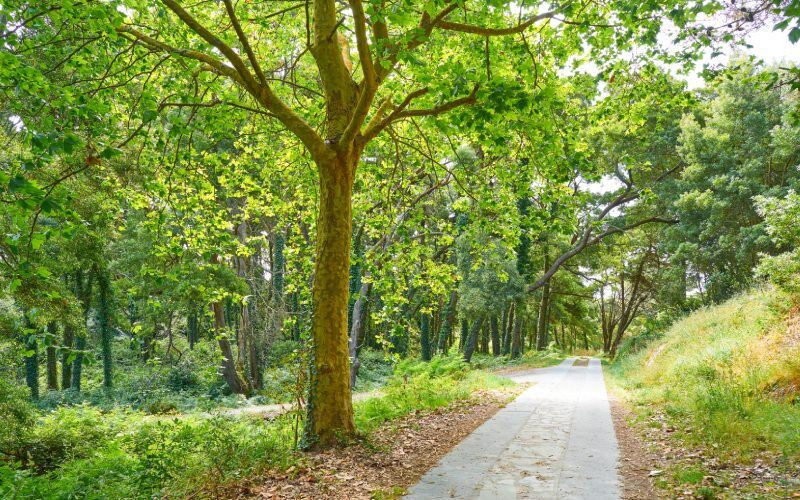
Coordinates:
(556, 440)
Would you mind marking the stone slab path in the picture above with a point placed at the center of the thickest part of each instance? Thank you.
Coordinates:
(555, 441)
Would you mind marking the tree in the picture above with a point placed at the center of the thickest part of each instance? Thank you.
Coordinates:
(322, 106)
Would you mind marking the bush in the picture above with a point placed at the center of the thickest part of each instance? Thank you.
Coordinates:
(182, 377)
(375, 370)
(17, 416)
(451, 365)
(68, 433)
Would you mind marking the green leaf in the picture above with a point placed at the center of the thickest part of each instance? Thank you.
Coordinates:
(149, 115)
(37, 240)
(794, 35)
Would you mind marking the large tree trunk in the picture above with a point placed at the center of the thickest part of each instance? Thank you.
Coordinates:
(52, 363)
(330, 408)
(230, 373)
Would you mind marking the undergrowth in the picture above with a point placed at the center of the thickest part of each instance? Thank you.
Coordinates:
(82, 451)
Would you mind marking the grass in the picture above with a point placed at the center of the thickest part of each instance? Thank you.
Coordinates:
(529, 360)
(85, 452)
(731, 373)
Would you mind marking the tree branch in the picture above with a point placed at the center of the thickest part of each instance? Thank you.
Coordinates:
(401, 112)
(587, 241)
(243, 39)
(481, 30)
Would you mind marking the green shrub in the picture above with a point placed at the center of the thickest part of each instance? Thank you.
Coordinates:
(17, 416)
(375, 370)
(182, 377)
(65, 434)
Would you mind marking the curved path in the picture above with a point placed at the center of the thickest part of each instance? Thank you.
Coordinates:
(555, 441)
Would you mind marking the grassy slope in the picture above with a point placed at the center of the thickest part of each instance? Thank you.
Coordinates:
(729, 372)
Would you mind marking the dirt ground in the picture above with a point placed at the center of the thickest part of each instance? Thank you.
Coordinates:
(636, 461)
(393, 458)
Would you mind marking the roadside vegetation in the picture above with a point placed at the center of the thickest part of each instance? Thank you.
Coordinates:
(724, 379)
(83, 451)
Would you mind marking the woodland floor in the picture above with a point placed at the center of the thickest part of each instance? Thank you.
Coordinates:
(651, 463)
(393, 458)
(656, 464)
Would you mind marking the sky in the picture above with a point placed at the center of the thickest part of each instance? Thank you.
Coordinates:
(773, 47)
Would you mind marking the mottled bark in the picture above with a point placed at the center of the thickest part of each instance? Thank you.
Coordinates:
(462, 344)
(330, 408)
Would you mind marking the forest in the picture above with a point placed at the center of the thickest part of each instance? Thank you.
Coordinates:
(304, 248)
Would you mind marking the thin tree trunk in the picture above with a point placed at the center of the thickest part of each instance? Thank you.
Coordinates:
(104, 317)
(484, 339)
(191, 327)
(542, 323)
(462, 344)
(234, 379)
(31, 360)
(425, 337)
(66, 365)
(52, 364)
(473, 339)
(508, 330)
(516, 341)
(77, 364)
(357, 329)
(495, 336)
(448, 318)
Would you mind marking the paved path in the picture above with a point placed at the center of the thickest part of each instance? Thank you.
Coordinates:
(556, 440)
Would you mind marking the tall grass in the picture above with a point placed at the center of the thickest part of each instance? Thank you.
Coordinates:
(730, 371)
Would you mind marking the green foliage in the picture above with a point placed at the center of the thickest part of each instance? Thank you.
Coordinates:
(17, 415)
(84, 452)
(419, 385)
(781, 216)
(727, 371)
